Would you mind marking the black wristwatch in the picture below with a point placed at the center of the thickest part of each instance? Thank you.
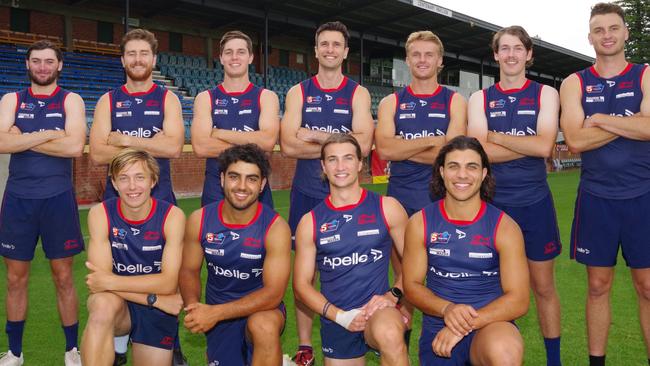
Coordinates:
(151, 299)
(395, 291)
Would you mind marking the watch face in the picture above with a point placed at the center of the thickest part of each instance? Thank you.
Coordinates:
(396, 292)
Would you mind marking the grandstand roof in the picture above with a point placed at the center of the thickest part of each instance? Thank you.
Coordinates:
(386, 22)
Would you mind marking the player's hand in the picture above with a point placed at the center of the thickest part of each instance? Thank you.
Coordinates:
(444, 342)
(378, 302)
(170, 304)
(459, 318)
(98, 280)
(200, 318)
(14, 130)
(358, 324)
(306, 135)
(117, 139)
(590, 122)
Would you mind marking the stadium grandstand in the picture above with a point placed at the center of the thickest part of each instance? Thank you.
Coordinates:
(189, 30)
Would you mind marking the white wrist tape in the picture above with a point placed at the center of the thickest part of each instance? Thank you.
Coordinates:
(344, 318)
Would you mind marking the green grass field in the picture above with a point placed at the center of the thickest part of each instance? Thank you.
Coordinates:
(44, 341)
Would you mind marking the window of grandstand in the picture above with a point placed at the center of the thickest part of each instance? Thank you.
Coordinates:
(175, 42)
(104, 32)
(19, 20)
(284, 57)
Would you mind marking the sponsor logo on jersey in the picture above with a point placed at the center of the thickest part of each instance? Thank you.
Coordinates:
(512, 99)
(611, 83)
(407, 106)
(152, 113)
(151, 248)
(592, 89)
(440, 238)
(625, 85)
(151, 235)
(135, 231)
(234, 273)
(314, 100)
(406, 115)
(479, 255)
(342, 101)
(312, 110)
(437, 115)
(330, 239)
(123, 104)
(348, 218)
(152, 103)
(526, 112)
(353, 259)
(234, 235)
(119, 233)
(215, 238)
(60, 115)
(480, 240)
(367, 219)
(341, 111)
(26, 115)
(250, 256)
(329, 226)
(221, 102)
(245, 111)
(253, 243)
(368, 232)
(420, 134)
(440, 252)
(214, 251)
(328, 97)
(461, 234)
(140, 132)
(137, 268)
(119, 246)
(221, 111)
(497, 114)
(41, 103)
(328, 129)
(422, 103)
(598, 99)
(443, 273)
(624, 95)
(27, 106)
(123, 114)
(234, 100)
(138, 101)
(497, 103)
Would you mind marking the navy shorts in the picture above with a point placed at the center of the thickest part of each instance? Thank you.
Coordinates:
(600, 225)
(339, 343)
(538, 223)
(459, 354)
(152, 327)
(214, 195)
(55, 220)
(299, 205)
(227, 342)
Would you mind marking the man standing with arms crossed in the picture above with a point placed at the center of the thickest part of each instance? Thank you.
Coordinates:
(317, 107)
(247, 249)
(606, 118)
(43, 127)
(235, 112)
(516, 121)
(141, 115)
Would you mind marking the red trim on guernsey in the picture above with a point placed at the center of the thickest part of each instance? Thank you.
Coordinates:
(451, 98)
(485, 102)
(627, 68)
(169, 209)
(354, 92)
(302, 92)
(329, 204)
(108, 220)
(313, 224)
(478, 216)
(539, 98)
(577, 227)
(235, 94)
(396, 104)
(383, 214)
(238, 226)
(496, 228)
(266, 232)
(645, 68)
(582, 84)
(201, 225)
(43, 96)
(259, 98)
(164, 98)
(435, 92)
(137, 94)
(514, 90)
(424, 228)
(17, 102)
(110, 102)
(341, 86)
(154, 203)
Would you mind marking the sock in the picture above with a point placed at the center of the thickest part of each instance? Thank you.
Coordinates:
(305, 348)
(552, 346)
(71, 332)
(121, 344)
(15, 334)
(596, 360)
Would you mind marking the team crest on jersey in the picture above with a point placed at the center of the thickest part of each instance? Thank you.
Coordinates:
(221, 102)
(151, 235)
(215, 238)
(314, 100)
(407, 106)
(497, 103)
(527, 101)
(329, 226)
(481, 240)
(253, 243)
(625, 85)
(123, 104)
(342, 101)
(54, 106)
(367, 219)
(436, 105)
(119, 233)
(440, 238)
(246, 103)
(27, 106)
(598, 88)
(152, 103)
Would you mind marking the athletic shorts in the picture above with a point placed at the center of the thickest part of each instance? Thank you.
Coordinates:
(211, 195)
(339, 343)
(600, 225)
(55, 220)
(152, 327)
(228, 344)
(299, 205)
(459, 354)
(538, 223)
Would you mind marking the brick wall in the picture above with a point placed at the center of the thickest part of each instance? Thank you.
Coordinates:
(118, 33)
(193, 45)
(294, 64)
(84, 29)
(5, 17)
(48, 24)
(163, 40)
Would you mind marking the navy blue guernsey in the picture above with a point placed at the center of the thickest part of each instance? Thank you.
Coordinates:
(234, 254)
(417, 116)
(619, 169)
(463, 261)
(136, 246)
(327, 110)
(231, 111)
(353, 249)
(141, 115)
(33, 174)
(522, 181)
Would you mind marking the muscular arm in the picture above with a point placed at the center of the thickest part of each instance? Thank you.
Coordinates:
(71, 145)
(13, 142)
(513, 268)
(477, 127)
(203, 143)
(189, 277)
(579, 137)
(397, 219)
(100, 151)
(363, 125)
(290, 144)
(99, 246)
(540, 145)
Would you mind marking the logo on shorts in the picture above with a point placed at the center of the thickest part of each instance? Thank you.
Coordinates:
(440, 238)
(8, 246)
(70, 244)
(329, 226)
(550, 247)
(119, 233)
(167, 341)
(583, 250)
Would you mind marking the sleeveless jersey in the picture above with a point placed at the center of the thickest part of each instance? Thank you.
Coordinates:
(621, 168)
(231, 111)
(353, 249)
(234, 254)
(33, 174)
(328, 110)
(141, 115)
(417, 116)
(136, 246)
(463, 262)
(522, 181)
